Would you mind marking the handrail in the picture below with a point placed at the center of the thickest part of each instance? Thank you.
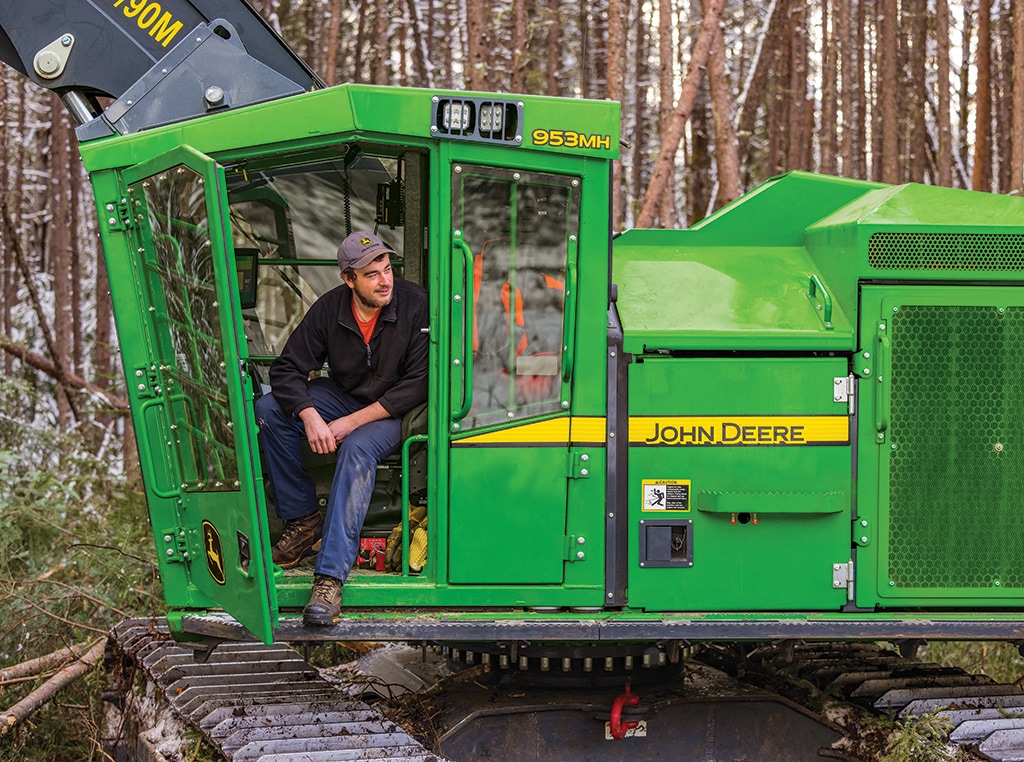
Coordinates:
(467, 320)
(826, 299)
(570, 319)
(882, 400)
(406, 445)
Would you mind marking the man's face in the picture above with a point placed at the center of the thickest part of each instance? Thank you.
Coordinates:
(373, 284)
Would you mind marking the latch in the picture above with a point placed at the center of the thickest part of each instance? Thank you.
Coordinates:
(572, 548)
(175, 546)
(842, 577)
(147, 382)
(871, 363)
(578, 466)
(119, 214)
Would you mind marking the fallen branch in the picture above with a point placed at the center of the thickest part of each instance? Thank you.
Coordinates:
(44, 693)
(34, 667)
(71, 380)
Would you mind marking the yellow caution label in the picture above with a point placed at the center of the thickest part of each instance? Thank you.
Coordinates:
(749, 431)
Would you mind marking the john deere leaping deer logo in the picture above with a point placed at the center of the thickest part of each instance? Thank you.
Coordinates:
(214, 553)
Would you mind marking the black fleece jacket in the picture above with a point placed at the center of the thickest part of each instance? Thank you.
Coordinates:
(391, 369)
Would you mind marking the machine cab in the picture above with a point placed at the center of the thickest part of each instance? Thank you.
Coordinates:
(218, 247)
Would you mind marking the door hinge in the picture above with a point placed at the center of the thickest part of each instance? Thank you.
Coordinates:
(147, 382)
(119, 215)
(578, 466)
(175, 546)
(842, 577)
(844, 390)
(572, 548)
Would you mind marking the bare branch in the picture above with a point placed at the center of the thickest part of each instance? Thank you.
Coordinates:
(37, 666)
(44, 693)
(66, 378)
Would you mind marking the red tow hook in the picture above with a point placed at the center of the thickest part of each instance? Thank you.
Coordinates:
(618, 727)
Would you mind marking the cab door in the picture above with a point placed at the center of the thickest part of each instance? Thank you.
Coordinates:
(193, 417)
(513, 274)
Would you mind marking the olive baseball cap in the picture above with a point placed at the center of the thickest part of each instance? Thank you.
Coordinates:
(359, 249)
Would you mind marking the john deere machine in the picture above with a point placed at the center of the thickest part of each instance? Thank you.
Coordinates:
(799, 419)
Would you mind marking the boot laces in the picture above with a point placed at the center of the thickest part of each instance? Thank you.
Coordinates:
(325, 587)
(291, 529)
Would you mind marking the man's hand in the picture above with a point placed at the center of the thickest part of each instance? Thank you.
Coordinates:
(321, 439)
(341, 428)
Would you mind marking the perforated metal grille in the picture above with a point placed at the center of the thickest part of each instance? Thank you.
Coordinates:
(956, 480)
(946, 251)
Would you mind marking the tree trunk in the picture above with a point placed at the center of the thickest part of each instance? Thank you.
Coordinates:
(859, 111)
(476, 37)
(1003, 130)
(7, 274)
(670, 139)
(333, 27)
(917, 157)
(584, 62)
(1017, 152)
(59, 247)
(520, 56)
(798, 113)
(944, 149)
(842, 39)
(829, 81)
(726, 145)
(360, 44)
(641, 113)
(982, 178)
(615, 64)
(666, 97)
(554, 47)
(382, 13)
(887, 91)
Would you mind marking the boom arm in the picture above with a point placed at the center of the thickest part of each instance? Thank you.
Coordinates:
(161, 61)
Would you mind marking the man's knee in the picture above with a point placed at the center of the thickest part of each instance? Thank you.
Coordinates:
(267, 409)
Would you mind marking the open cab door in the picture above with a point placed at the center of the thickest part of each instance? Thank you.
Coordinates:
(193, 419)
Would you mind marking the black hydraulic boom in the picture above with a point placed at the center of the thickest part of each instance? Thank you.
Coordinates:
(160, 61)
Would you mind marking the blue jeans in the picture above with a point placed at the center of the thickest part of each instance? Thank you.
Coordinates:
(282, 436)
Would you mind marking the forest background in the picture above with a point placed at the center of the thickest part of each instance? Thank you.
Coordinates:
(717, 96)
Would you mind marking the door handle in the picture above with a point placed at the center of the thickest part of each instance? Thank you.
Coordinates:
(466, 300)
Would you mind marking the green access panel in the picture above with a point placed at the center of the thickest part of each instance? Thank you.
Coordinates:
(739, 483)
(941, 456)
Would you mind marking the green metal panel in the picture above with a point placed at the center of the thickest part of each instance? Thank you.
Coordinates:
(310, 118)
(193, 391)
(674, 294)
(770, 518)
(941, 427)
(508, 516)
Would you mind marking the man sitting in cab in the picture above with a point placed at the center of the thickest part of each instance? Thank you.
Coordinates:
(372, 332)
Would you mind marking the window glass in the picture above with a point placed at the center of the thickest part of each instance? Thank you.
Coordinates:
(178, 260)
(518, 227)
(293, 218)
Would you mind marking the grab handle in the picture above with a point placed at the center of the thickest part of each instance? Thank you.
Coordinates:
(466, 301)
(816, 287)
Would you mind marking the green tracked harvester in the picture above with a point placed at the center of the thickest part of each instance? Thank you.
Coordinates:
(799, 419)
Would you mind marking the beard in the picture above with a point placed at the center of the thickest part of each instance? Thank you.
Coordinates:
(372, 300)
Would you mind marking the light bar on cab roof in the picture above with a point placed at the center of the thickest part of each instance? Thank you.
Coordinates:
(481, 119)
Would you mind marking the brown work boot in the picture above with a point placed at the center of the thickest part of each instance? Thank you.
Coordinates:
(325, 603)
(299, 540)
